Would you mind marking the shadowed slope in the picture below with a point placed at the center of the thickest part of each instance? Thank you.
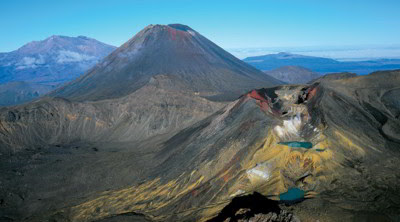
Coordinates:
(161, 106)
(12, 93)
(293, 74)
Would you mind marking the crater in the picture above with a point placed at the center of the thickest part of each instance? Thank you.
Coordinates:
(244, 207)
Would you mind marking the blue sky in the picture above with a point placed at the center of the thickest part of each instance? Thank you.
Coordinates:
(230, 24)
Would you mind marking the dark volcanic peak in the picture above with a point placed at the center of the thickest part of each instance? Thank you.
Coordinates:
(168, 50)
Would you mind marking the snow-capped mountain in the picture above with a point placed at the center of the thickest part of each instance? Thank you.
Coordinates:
(52, 61)
(49, 63)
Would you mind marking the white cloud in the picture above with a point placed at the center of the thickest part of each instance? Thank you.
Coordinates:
(65, 56)
(30, 62)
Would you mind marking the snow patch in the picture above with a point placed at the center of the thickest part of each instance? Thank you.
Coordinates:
(290, 127)
(191, 32)
(28, 61)
(262, 171)
(259, 173)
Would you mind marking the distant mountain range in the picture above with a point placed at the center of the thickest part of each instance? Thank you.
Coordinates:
(293, 74)
(48, 63)
(319, 64)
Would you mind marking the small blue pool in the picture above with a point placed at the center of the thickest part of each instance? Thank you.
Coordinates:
(293, 195)
(296, 144)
